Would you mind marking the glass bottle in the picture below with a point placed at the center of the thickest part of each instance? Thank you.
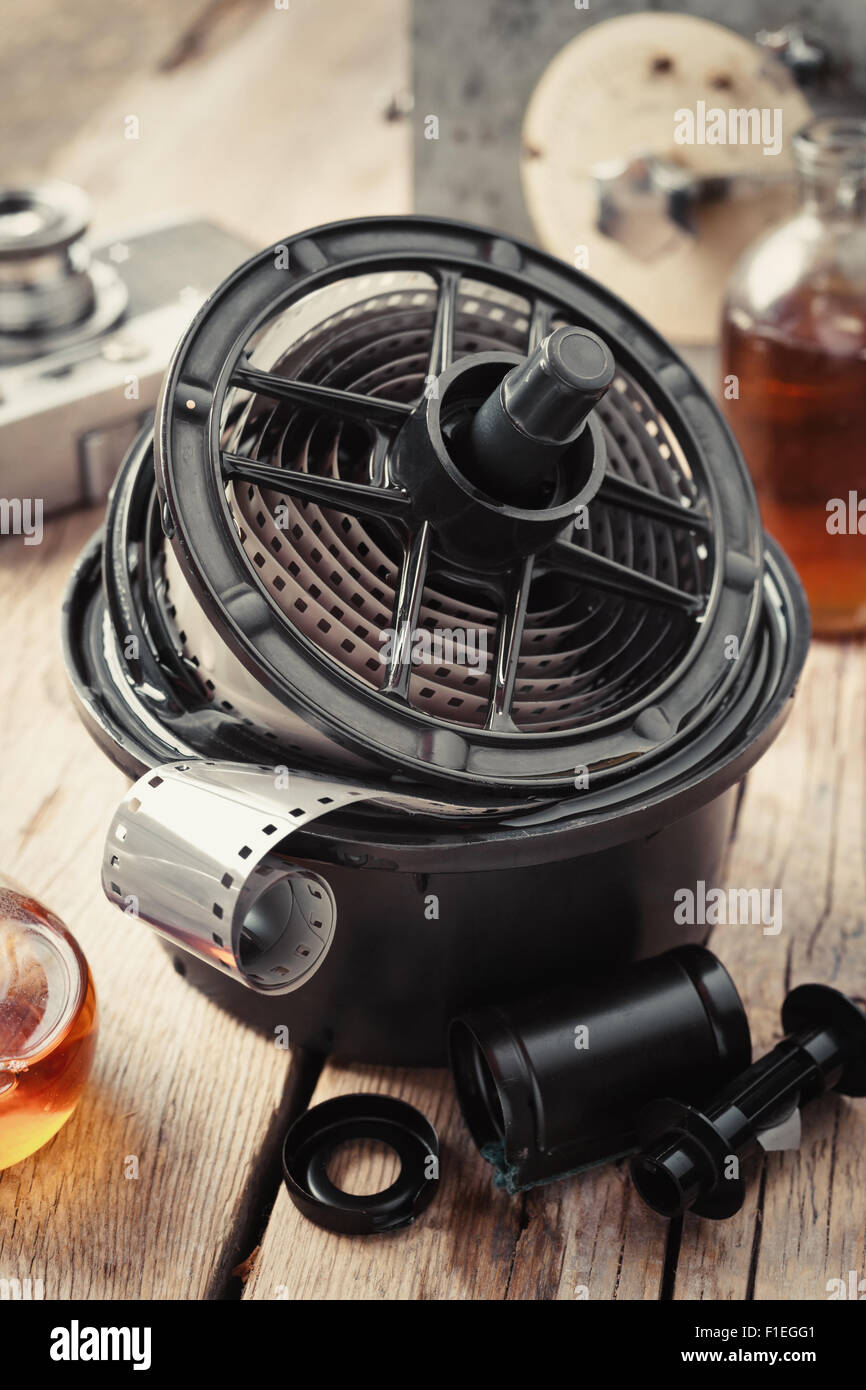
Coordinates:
(47, 1024)
(794, 372)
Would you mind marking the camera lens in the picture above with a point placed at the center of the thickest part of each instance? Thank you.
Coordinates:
(50, 293)
(44, 280)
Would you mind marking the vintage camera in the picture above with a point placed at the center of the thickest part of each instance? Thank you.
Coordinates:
(86, 334)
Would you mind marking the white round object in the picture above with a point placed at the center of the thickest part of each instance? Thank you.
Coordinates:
(614, 93)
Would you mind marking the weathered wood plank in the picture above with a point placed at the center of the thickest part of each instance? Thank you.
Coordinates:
(460, 1248)
(800, 828)
(265, 121)
(269, 120)
(279, 125)
(178, 1086)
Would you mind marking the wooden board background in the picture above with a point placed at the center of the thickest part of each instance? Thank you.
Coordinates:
(300, 116)
(801, 827)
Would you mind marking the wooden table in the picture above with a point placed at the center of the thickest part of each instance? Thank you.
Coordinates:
(201, 1102)
(197, 1100)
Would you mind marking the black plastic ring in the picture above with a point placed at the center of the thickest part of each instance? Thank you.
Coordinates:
(319, 1131)
(291, 666)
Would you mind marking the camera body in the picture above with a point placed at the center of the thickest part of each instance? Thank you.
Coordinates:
(86, 334)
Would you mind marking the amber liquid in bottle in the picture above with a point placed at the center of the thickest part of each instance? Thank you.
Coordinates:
(801, 422)
(47, 1025)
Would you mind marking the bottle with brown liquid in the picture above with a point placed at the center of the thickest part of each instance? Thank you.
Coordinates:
(47, 1024)
(794, 367)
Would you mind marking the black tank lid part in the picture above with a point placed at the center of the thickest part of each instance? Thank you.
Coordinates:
(521, 431)
(321, 1130)
(691, 582)
(555, 1084)
(690, 1159)
(609, 648)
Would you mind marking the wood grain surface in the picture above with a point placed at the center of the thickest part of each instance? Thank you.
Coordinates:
(267, 119)
(271, 130)
(801, 828)
(187, 1094)
(201, 1102)
(276, 120)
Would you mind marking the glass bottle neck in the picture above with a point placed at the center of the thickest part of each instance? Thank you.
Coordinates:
(830, 156)
(828, 196)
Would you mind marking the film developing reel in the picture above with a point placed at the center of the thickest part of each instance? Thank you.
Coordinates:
(399, 429)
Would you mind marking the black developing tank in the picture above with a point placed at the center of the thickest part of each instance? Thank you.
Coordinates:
(554, 1084)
